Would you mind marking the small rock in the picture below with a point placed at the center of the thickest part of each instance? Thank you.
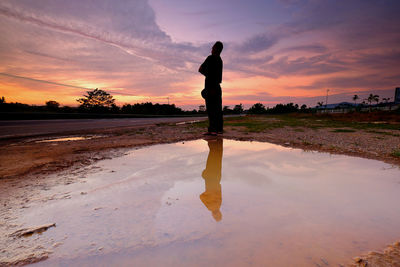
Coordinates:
(324, 261)
(83, 193)
(33, 230)
(57, 244)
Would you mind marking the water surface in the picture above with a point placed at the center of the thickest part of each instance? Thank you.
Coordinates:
(222, 202)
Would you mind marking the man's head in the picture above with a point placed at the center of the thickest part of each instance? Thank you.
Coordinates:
(217, 48)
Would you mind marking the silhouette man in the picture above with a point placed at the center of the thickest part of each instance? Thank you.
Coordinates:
(212, 69)
(212, 197)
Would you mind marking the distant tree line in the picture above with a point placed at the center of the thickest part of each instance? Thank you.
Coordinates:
(99, 101)
(371, 101)
(259, 108)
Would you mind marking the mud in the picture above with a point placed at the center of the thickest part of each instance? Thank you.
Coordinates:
(390, 257)
(28, 167)
(33, 230)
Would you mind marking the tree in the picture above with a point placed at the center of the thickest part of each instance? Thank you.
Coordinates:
(303, 107)
(320, 104)
(355, 97)
(283, 108)
(372, 98)
(96, 100)
(257, 108)
(386, 102)
(2, 100)
(238, 109)
(227, 110)
(52, 105)
(114, 109)
(376, 98)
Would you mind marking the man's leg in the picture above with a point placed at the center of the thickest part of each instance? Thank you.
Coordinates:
(218, 115)
(212, 111)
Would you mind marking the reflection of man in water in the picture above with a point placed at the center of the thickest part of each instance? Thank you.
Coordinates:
(212, 197)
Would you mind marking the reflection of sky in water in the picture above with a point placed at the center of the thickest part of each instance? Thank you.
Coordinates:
(279, 206)
(64, 139)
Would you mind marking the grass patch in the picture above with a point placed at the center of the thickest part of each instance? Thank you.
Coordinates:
(396, 153)
(260, 123)
(200, 124)
(383, 133)
(343, 131)
(298, 130)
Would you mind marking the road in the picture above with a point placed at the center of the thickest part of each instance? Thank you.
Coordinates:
(23, 128)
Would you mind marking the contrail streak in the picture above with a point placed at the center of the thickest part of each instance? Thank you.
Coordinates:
(42, 81)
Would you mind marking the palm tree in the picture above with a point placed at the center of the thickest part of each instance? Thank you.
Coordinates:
(386, 101)
(371, 98)
(320, 104)
(355, 97)
(376, 99)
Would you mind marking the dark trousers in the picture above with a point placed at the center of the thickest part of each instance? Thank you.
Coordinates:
(214, 109)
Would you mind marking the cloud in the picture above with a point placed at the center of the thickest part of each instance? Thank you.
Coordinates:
(259, 43)
(117, 45)
(312, 48)
(127, 25)
(374, 81)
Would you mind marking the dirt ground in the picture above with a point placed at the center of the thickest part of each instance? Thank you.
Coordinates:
(26, 165)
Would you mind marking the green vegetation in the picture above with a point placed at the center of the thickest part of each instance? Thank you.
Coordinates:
(383, 133)
(97, 101)
(344, 131)
(396, 153)
(343, 123)
(259, 108)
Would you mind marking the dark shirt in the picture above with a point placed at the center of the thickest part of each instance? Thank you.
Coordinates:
(212, 69)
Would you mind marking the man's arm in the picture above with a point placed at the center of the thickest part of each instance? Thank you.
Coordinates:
(203, 67)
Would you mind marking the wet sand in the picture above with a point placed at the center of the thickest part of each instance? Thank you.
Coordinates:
(28, 166)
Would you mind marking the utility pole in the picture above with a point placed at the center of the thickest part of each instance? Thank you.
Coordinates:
(168, 100)
(326, 101)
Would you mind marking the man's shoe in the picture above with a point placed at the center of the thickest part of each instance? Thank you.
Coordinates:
(210, 133)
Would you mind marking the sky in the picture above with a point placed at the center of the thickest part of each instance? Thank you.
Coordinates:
(275, 51)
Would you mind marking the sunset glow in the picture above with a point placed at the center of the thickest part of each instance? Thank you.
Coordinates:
(275, 51)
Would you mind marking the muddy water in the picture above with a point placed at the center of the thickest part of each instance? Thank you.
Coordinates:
(222, 202)
(65, 139)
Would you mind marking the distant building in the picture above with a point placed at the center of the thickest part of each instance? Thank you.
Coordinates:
(397, 95)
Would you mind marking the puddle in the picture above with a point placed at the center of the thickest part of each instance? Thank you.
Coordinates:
(222, 202)
(64, 139)
(187, 122)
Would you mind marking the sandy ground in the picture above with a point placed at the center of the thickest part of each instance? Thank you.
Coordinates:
(28, 166)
